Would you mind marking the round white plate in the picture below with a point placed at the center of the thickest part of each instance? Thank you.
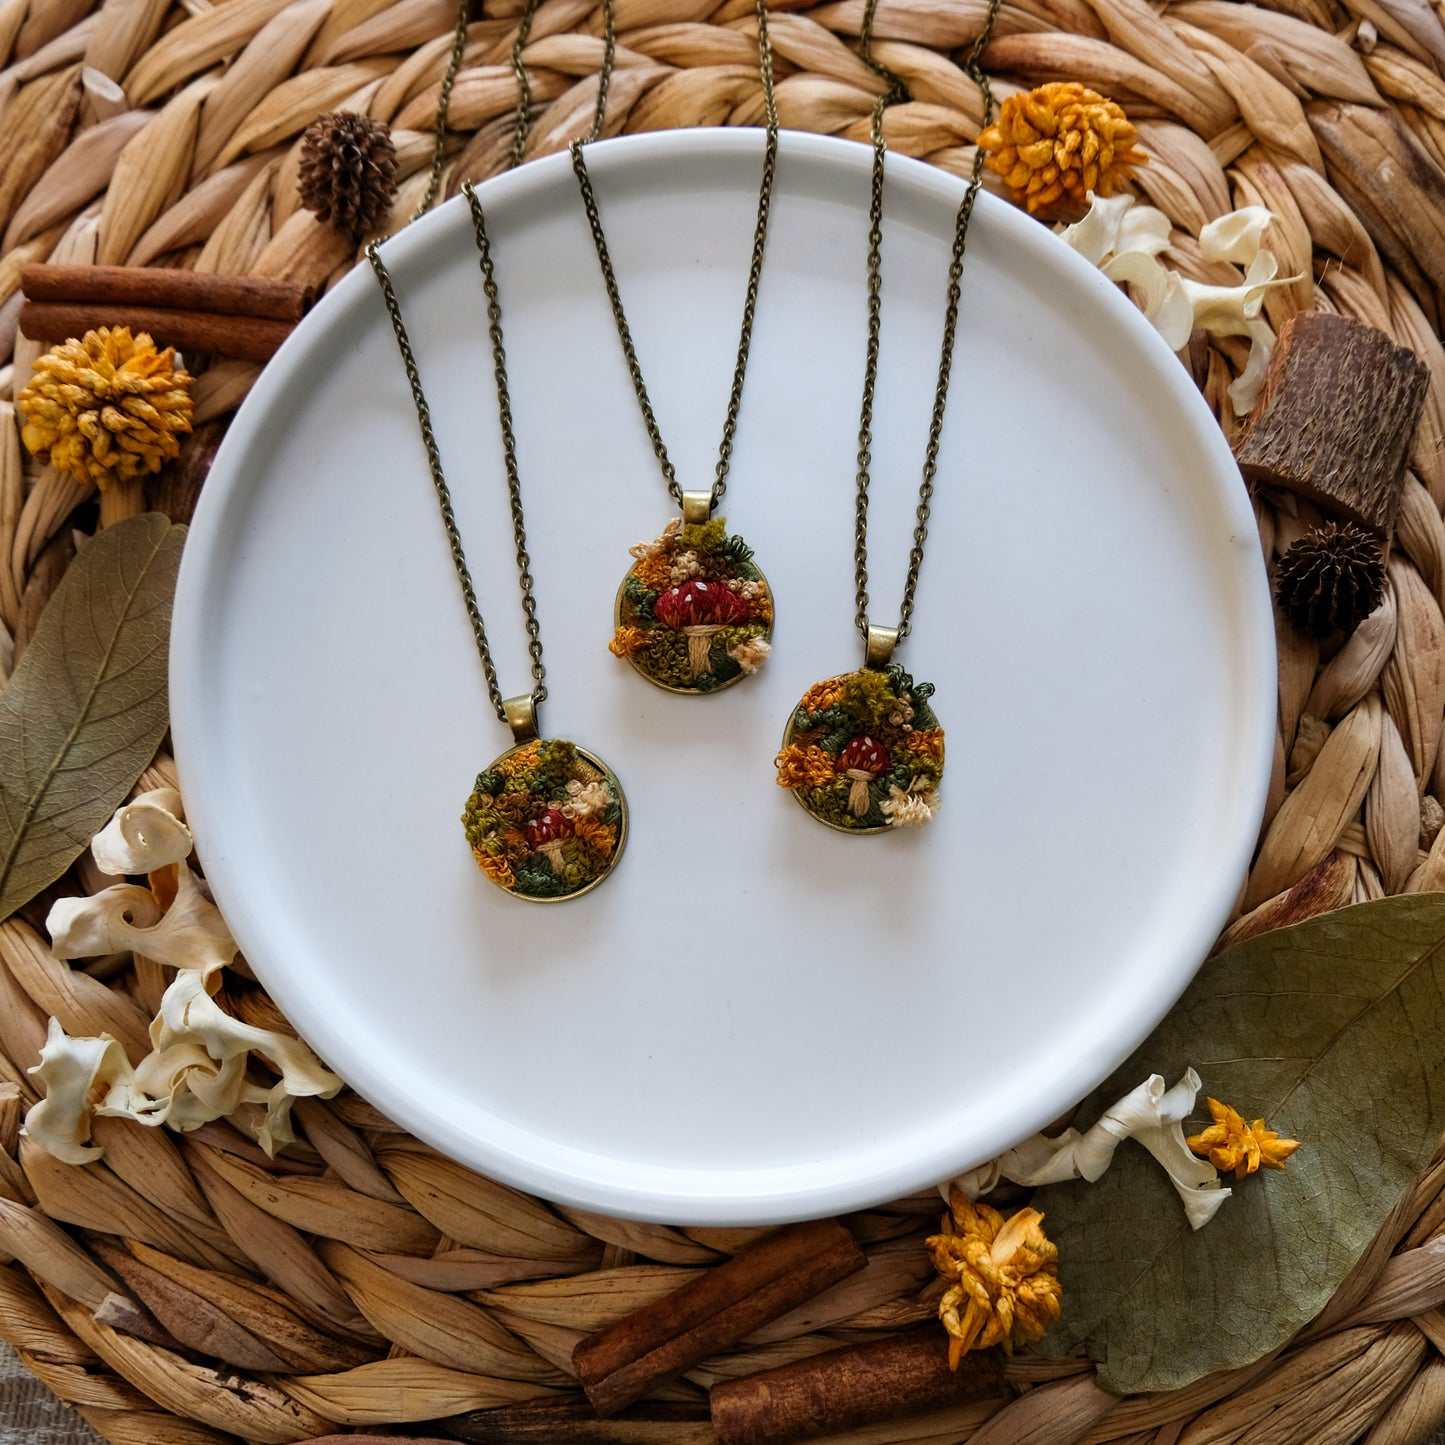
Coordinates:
(755, 1019)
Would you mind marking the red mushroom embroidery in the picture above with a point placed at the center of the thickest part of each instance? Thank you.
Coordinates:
(548, 833)
(862, 759)
(698, 609)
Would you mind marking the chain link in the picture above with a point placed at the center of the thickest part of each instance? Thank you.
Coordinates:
(521, 128)
(444, 496)
(750, 304)
(444, 105)
(898, 91)
(522, 122)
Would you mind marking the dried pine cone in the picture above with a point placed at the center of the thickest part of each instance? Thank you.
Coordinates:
(1059, 142)
(1331, 579)
(348, 165)
(106, 407)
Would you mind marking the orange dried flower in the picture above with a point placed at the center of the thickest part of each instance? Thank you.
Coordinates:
(1229, 1143)
(1061, 141)
(497, 869)
(109, 406)
(1003, 1275)
(808, 767)
(628, 642)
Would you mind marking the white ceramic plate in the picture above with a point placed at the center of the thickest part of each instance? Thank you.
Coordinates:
(755, 1019)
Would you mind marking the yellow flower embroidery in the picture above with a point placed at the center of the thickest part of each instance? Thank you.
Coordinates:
(1003, 1273)
(1061, 141)
(808, 767)
(1229, 1143)
(628, 642)
(106, 407)
(499, 870)
(655, 572)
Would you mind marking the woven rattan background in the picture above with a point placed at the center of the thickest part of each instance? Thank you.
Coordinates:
(165, 132)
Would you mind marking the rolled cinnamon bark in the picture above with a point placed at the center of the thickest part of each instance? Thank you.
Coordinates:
(890, 1379)
(713, 1312)
(240, 336)
(572, 1421)
(165, 286)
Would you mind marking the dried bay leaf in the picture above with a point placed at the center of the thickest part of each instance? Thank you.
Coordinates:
(1334, 1032)
(86, 708)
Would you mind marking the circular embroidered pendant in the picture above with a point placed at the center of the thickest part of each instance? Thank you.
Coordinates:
(863, 752)
(695, 613)
(546, 820)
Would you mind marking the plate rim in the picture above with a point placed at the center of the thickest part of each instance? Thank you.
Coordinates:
(765, 1195)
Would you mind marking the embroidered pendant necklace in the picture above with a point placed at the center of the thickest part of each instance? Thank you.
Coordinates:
(863, 751)
(694, 613)
(546, 820)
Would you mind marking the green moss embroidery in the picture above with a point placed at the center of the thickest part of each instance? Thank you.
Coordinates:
(694, 613)
(544, 821)
(864, 751)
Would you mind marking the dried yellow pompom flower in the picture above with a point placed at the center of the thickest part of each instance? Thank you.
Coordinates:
(1229, 1143)
(1061, 140)
(1003, 1273)
(108, 407)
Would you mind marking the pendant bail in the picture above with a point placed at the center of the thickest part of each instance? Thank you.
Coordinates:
(521, 714)
(696, 507)
(881, 642)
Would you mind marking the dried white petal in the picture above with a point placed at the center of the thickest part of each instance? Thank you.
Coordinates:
(191, 933)
(1151, 1114)
(70, 1069)
(1244, 390)
(145, 835)
(1123, 240)
(1161, 295)
(196, 1070)
(1096, 235)
(1236, 237)
(190, 1015)
(1228, 310)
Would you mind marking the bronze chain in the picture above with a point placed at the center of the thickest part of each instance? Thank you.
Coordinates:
(499, 354)
(439, 481)
(755, 272)
(898, 91)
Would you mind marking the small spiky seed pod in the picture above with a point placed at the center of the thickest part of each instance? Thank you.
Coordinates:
(348, 165)
(1331, 579)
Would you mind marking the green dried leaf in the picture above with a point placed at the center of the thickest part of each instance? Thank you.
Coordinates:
(86, 709)
(1334, 1032)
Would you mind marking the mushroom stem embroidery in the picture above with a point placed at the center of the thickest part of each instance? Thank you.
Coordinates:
(699, 610)
(861, 761)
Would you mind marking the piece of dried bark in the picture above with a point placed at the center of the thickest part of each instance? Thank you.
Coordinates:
(1336, 418)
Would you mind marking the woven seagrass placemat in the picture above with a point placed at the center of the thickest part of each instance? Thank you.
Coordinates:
(166, 132)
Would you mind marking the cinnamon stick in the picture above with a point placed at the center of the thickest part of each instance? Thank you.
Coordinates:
(1336, 418)
(890, 1379)
(574, 1422)
(264, 299)
(713, 1312)
(240, 336)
